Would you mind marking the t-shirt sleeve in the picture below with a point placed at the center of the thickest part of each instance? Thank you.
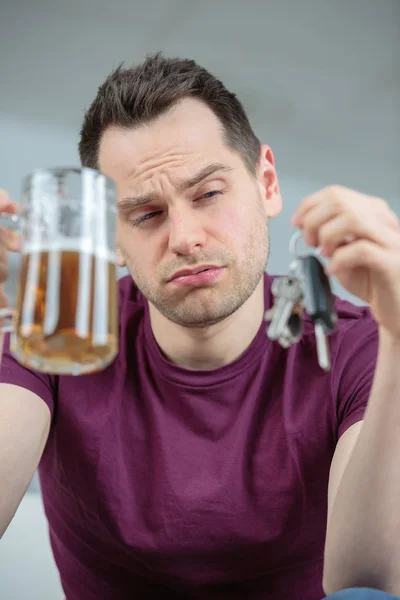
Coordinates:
(353, 371)
(11, 371)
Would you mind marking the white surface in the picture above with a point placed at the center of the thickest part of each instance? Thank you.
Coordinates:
(27, 568)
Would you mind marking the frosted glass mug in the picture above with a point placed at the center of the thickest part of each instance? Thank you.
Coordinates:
(65, 319)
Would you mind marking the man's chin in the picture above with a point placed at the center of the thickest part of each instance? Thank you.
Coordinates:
(195, 321)
(197, 315)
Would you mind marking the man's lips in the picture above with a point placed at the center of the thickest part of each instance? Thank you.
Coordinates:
(194, 271)
(199, 276)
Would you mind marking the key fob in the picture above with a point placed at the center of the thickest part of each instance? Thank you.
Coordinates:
(318, 297)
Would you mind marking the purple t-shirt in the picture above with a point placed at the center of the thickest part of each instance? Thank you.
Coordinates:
(198, 484)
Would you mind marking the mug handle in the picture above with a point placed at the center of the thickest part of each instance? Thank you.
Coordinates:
(12, 222)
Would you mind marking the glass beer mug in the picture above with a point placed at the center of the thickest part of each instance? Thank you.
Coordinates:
(65, 320)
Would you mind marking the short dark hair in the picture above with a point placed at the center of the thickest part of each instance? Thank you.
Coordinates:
(131, 97)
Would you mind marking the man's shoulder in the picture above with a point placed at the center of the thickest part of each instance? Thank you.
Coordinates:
(131, 304)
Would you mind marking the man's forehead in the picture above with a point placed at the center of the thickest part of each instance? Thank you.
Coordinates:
(176, 163)
(188, 128)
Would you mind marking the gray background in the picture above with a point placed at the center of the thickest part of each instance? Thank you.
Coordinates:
(319, 79)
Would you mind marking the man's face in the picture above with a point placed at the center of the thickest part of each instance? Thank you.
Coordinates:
(187, 202)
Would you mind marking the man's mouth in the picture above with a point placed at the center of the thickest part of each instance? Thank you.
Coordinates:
(197, 276)
(194, 271)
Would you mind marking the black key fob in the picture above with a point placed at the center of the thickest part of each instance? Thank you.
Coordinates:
(318, 298)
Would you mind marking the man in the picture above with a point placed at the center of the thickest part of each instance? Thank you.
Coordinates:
(198, 464)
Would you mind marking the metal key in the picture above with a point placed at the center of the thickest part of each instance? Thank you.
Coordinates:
(319, 305)
(293, 331)
(285, 314)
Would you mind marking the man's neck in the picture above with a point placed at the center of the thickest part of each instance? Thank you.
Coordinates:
(210, 347)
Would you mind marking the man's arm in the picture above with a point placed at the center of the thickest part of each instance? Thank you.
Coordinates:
(24, 428)
(363, 536)
(24, 417)
(360, 235)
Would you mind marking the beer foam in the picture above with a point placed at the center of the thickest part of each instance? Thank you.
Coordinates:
(85, 246)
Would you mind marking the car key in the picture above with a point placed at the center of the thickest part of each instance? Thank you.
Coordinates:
(284, 315)
(319, 305)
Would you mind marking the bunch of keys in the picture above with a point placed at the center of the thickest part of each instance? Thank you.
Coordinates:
(307, 287)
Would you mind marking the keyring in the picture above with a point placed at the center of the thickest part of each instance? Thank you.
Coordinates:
(296, 237)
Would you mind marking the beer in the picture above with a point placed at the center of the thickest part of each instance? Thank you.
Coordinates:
(66, 317)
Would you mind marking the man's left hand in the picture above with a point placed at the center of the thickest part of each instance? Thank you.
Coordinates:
(360, 235)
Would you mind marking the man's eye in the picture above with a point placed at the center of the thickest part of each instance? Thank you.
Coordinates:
(145, 218)
(211, 194)
(148, 216)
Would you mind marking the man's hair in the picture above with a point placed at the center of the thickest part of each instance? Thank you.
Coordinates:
(136, 96)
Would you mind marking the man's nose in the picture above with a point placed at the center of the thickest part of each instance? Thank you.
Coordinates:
(186, 232)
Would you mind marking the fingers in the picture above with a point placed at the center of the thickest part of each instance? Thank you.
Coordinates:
(7, 204)
(313, 219)
(310, 202)
(336, 215)
(346, 228)
(362, 253)
(9, 239)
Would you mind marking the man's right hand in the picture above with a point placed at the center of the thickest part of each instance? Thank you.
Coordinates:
(8, 242)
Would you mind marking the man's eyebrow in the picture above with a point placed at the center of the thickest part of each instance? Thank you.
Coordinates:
(203, 174)
(137, 201)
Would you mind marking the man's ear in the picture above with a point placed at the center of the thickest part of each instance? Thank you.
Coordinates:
(268, 182)
(121, 262)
